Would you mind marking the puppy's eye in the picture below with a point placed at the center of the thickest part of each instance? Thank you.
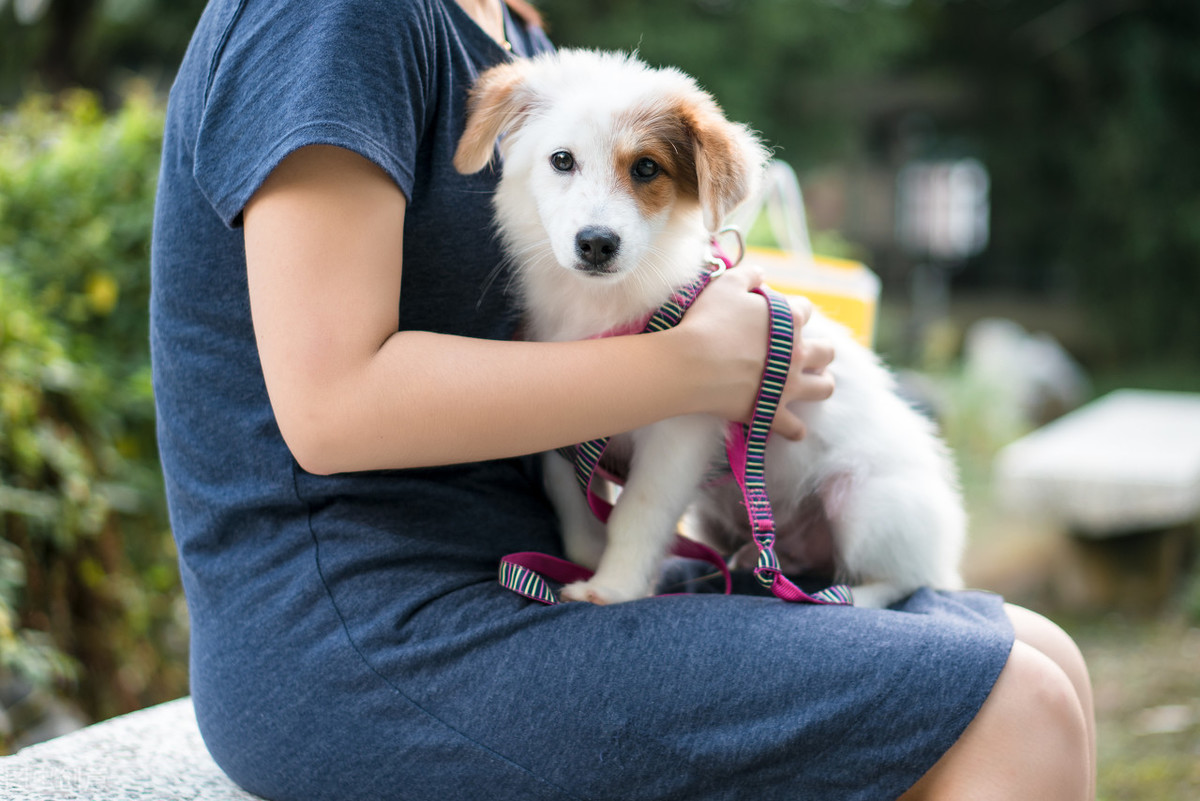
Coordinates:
(562, 161)
(644, 169)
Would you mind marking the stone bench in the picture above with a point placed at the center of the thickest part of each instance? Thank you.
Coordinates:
(1122, 475)
(152, 755)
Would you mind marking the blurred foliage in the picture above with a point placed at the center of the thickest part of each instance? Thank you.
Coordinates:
(1087, 115)
(86, 559)
(51, 45)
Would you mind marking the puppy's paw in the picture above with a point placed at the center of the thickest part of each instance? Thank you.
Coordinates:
(593, 592)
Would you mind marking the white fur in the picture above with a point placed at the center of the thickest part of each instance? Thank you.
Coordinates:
(884, 478)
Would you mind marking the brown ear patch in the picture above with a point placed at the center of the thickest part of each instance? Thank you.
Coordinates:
(723, 162)
(494, 106)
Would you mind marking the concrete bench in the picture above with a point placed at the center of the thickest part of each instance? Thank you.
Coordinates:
(155, 754)
(1122, 474)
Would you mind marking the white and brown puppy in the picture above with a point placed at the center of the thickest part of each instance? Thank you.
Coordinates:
(615, 175)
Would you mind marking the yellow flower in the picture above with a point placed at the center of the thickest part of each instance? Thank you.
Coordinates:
(102, 293)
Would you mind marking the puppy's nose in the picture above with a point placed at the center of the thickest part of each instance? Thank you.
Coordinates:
(595, 245)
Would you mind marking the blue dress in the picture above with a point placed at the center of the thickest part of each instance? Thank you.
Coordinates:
(349, 638)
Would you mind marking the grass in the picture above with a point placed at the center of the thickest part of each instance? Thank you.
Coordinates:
(1147, 687)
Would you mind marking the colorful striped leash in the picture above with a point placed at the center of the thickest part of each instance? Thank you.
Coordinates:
(746, 446)
(533, 575)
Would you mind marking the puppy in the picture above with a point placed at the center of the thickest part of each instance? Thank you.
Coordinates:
(615, 175)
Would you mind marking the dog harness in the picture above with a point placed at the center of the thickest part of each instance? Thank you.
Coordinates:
(533, 574)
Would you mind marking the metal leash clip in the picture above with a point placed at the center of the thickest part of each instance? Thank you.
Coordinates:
(716, 254)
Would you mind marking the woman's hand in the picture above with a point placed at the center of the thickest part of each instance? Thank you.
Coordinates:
(808, 379)
(729, 326)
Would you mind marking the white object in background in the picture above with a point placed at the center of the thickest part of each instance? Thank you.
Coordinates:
(1126, 462)
(943, 208)
(1027, 373)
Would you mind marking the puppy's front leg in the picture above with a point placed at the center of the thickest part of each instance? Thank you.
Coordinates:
(583, 535)
(669, 461)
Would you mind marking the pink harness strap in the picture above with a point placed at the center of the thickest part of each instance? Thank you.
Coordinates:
(527, 573)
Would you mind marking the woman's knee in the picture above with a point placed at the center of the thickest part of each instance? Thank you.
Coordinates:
(1034, 691)
(1028, 740)
(1044, 635)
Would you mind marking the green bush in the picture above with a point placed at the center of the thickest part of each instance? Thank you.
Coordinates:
(89, 596)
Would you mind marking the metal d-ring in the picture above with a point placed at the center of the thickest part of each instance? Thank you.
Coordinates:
(720, 263)
(741, 242)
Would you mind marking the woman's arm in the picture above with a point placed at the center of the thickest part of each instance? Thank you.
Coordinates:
(323, 247)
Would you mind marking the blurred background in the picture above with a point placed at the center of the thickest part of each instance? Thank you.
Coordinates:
(1023, 176)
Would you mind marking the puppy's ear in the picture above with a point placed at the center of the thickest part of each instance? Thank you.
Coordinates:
(729, 160)
(497, 103)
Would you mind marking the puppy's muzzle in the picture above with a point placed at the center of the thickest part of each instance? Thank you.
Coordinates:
(596, 246)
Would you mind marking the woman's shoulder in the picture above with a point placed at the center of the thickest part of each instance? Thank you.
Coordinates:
(269, 77)
(366, 21)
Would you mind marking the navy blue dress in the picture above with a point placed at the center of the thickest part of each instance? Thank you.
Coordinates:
(349, 639)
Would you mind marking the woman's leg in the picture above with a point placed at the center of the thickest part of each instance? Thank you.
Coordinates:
(1034, 736)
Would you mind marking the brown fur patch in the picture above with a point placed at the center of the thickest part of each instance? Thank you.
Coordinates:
(698, 149)
(656, 133)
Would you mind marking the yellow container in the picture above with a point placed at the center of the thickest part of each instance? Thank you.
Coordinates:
(846, 291)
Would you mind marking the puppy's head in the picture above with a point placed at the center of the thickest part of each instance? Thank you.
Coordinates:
(605, 159)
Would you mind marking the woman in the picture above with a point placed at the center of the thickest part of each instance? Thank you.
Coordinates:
(345, 427)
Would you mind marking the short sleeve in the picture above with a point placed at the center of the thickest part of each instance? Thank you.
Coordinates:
(350, 74)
